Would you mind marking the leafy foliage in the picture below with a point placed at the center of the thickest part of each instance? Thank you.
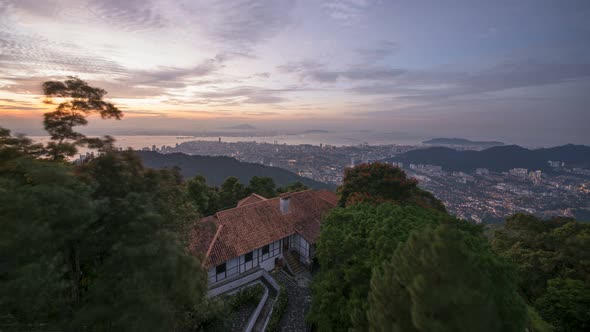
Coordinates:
(19, 145)
(231, 192)
(279, 310)
(263, 186)
(553, 261)
(247, 296)
(98, 246)
(209, 200)
(566, 304)
(44, 212)
(380, 182)
(353, 241)
(80, 101)
(216, 169)
(445, 279)
(296, 186)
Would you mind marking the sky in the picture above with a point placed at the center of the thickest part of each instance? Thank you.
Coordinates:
(517, 71)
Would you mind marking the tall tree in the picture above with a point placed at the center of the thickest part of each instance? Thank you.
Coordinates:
(445, 279)
(146, 279)
(263, 186)
(231, 192)
(381, 182)
(353, 241)
(98, 246)
(198, 192)
(80, 101)
(45, 211)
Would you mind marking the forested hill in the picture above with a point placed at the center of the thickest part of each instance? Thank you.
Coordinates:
(500, 158)
(461, 141)
(217, 169)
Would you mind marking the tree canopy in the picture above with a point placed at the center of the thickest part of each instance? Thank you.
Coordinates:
(79, 101)
(380, 182)
(96, 246)
(445, 279)
(353, 241)
(553, 260)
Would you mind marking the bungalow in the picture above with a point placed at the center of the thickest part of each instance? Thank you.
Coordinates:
(259, 231)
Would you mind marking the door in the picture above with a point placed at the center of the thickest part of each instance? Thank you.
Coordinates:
(286, 244)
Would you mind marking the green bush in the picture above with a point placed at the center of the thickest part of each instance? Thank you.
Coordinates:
(247, 296)
(279, 310)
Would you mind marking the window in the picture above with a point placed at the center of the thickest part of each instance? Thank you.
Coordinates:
(220, 269)
(265, 249)
(248, 257)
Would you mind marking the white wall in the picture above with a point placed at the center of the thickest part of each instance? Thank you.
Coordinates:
(238, 265)
(299, 244)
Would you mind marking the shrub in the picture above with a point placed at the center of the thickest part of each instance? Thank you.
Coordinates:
(279, 310)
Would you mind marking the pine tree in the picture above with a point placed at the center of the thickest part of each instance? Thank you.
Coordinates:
(445, 279)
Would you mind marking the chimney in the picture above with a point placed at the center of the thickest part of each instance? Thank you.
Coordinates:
(284, 203)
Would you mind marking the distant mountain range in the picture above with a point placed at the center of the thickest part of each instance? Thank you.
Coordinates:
(217, 169)
(499, 158)
(241, 127)
(461, 141)
(316, 131)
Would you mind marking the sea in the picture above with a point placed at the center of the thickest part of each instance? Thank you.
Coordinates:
(137, 142)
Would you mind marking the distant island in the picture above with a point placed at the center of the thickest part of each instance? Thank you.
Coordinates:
(461, 141)
(316, 131)
(499, 158)
(244, 126)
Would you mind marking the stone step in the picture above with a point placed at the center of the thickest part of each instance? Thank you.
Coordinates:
(294, 263)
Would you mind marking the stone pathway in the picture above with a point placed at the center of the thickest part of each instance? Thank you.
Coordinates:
(299, 295)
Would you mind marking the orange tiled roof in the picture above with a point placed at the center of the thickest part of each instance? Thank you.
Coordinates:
(253, 225)
(251, 199)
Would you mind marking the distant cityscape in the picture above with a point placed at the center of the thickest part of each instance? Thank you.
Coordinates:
(481, 196)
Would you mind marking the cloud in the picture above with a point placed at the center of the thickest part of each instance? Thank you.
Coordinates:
(314, 71)
(240, 25)
(382, 50)
(260, 113)
(429, 85)
(19, 108)
(245, 94)
(129, 15)
(346, 11)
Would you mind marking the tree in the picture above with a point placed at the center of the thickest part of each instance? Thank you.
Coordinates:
(230, 193)
(97, 246)
(15, 146)
(263, 186)
(566, 303)
(146, 280)
(81, 100)
(445, 279)
(293, 187)
(45, 211)
(545, 250)
(353, 241)
(198, 191)
(380, 182)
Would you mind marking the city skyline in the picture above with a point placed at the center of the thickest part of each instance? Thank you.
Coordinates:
(513, 71)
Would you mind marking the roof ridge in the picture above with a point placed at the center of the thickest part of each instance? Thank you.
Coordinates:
(252, 195)
(212, 243)
(265, 200)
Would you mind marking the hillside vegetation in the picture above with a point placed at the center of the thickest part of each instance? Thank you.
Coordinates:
(217, 169)
(499, 159)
